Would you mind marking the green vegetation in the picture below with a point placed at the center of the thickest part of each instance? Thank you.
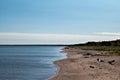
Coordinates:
(113, 47)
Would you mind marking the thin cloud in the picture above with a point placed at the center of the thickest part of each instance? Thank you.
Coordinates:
(109, 33)
(29, 38)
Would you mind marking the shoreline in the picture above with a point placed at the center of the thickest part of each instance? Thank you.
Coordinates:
(58, 68)
(79, 65)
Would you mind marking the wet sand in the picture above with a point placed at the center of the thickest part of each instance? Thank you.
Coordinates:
(87, 65)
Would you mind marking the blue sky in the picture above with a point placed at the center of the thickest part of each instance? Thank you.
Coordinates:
(58, 17)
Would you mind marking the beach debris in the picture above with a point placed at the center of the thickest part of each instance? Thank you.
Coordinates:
(111, 62)
(87, 54)
(100, 68)
(92, 67)
(102, 61)
(99, 60)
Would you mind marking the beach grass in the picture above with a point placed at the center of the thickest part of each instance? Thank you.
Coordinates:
(114, 50)
(112, 47)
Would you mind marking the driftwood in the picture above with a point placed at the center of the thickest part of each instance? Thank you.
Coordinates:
(111, 62)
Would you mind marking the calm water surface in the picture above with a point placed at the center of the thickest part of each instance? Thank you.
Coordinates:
(28, 62)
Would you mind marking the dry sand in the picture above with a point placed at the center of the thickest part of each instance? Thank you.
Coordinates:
(83, 65)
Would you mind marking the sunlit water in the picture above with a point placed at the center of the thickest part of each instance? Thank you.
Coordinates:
(28, 62)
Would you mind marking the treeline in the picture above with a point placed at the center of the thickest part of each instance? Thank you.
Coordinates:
(103, 43)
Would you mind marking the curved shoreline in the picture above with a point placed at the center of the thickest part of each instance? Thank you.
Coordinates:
(58, 67)
(79, 66)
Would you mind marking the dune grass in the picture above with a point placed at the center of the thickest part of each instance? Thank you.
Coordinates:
(114, 50)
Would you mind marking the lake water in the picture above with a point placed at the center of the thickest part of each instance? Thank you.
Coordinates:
(28, 62)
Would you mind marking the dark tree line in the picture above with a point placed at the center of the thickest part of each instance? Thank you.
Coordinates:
(103, 43)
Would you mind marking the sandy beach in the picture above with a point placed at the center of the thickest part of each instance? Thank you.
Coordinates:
(87, 65)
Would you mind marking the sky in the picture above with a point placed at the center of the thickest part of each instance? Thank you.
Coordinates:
(58, 21)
